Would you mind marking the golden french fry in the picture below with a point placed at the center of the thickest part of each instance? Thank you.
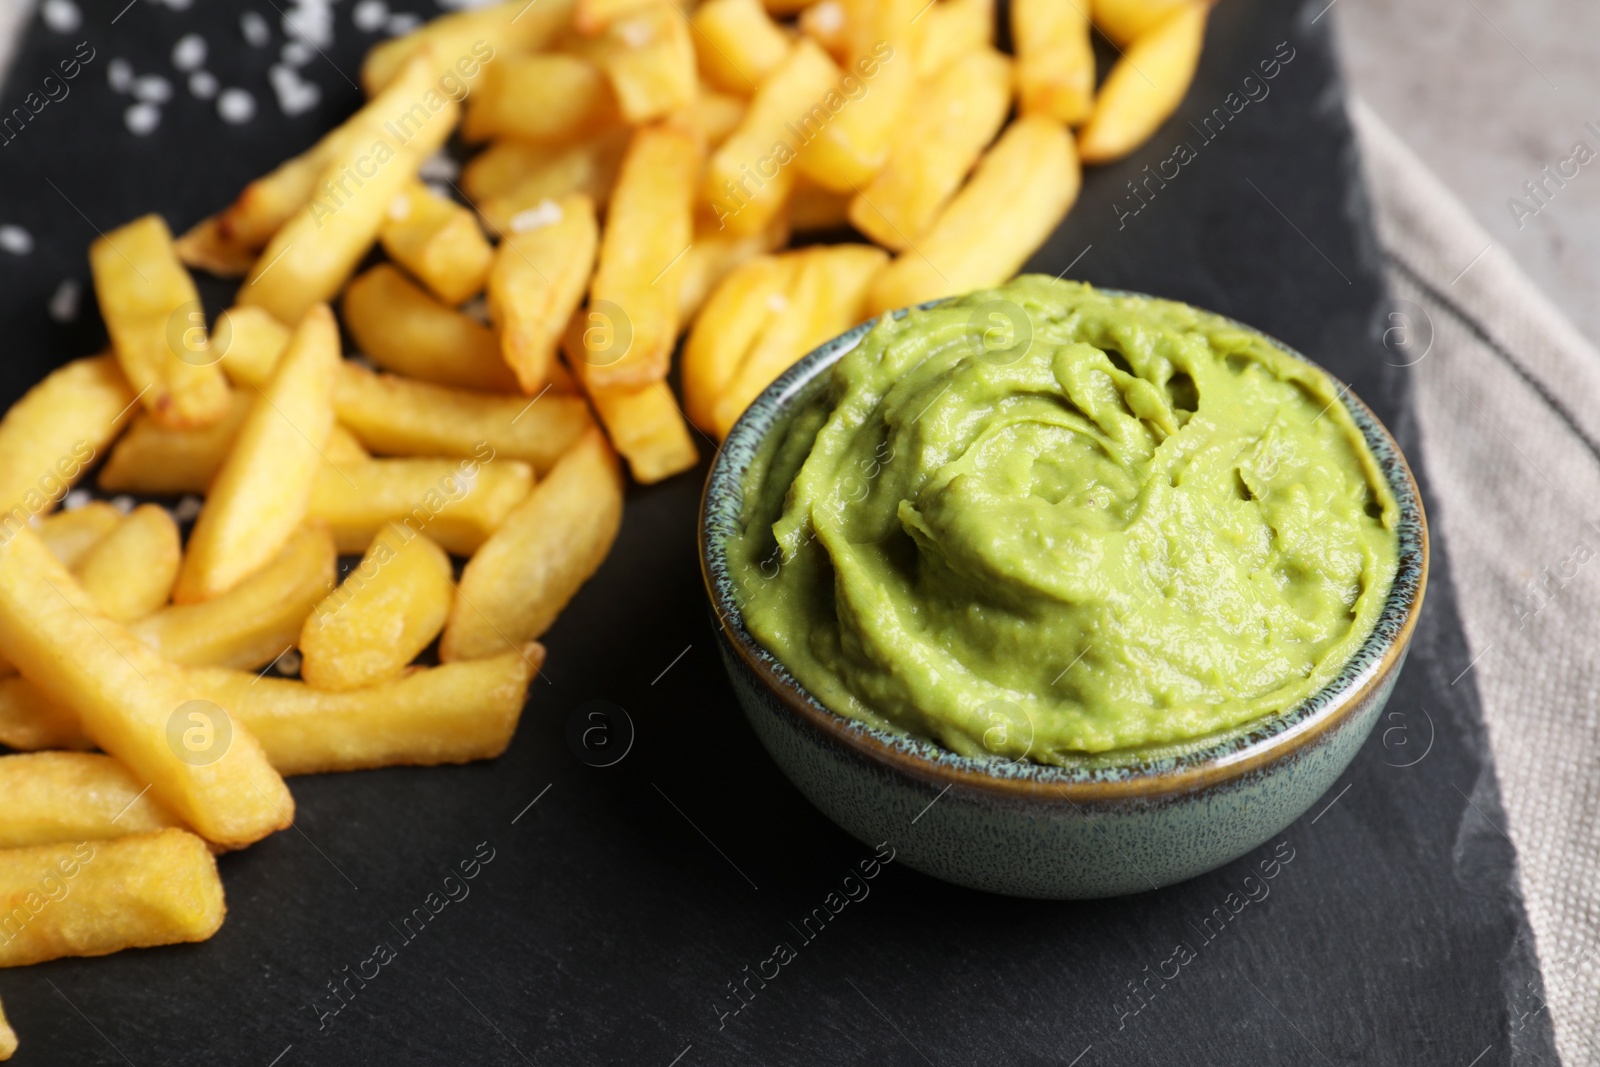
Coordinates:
(714, 255)
(455, 713)
(134, 704)
(71, 535)
(738, 44)
(388, 609)
(437, 240)
(402, 328)
(1125, 21)
(157, 327)
(825, 23)
(949, 30)
(1015, 198)
(255, 341)
(1055, 59)
(457, 503)
(733, 318)
(257, 620)
(711, 115)
(51, 797)
(462, 44)
(550, 97)
(813, 208)
(593, 16)
(644, 425)
(263, 488)
(30, 721)
(206, 246)
(828, 296)
(539, 275)
(53, 434)
(97, 897)
(957, 115)
(129, 572)
(150, 458)
(399, 417)
(649, 228)
(1145, 85)
(309, 259)
(514, 177)
(648, 55)
(750, 175)
(8, 1038)
(515, 585)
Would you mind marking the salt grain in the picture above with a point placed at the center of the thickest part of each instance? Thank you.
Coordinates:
(64, 302)
(190, 52)
(16, 240)
(152, 88)
(75, 500)
(547, 213)
(142, 119)
(828, 16)
(255, 29)
(188, 509)
(636, 33)
(297, 53)
(295, 94)
(399, 207)
(178, 5)
(236, 106)
(62, 16)
(119, 73)
(402, 24)
(123, 504)
(477, 309)
(369, 15)
(778, 302)
(288, 664)
(439, 166)
(203, 84)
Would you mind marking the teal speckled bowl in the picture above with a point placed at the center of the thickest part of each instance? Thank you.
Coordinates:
(1030, 830)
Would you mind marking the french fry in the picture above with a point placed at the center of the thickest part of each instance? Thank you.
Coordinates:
(309, 259)
(515, 585)
(729, 325)
(644, 425)
(711, 115)
(128, 699)
(97, 897)
(1055, 59)
(52, 435)
(538, 278)
(152, 459)
(455, 713)
(849, 131)
(825, 23)
(462, 44)
(714, 255)
(1125, 21)
(437, 240)
(8, 1038)
(388, 609)
(51, 797)
(263, 488)
(70, 535)
(1145, 86)
(255, 340)
(402, 328)
(783, 8)
(648, 55)
(813, 208)
(130, 572)
(748, 179)
(649, 228)
(550, 97)
(518, 176)
(957, 115)
(949, 30)
(399, 417)
(158, 330)
(828, 296)
(738, 44)
(1019, 192)
(458, 503)
(206, 246)
(257, 620)
(30, 721)
(591, 17)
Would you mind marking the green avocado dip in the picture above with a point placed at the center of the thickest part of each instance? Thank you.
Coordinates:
(1043, 522)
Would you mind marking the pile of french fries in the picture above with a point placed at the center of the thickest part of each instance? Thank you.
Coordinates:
(645, 164)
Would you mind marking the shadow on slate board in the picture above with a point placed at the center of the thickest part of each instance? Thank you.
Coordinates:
(616, 912)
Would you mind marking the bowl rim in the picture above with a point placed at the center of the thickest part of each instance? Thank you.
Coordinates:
(1234, 755)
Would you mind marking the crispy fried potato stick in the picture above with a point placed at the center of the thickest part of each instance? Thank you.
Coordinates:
(538, 278)
(738, 44)
(463, 44)
(130, 571)
(437, 240)
(52, 797)
(1055, 59)
(1145, 86)
(402, 328)
(52, 435)
(457, 503)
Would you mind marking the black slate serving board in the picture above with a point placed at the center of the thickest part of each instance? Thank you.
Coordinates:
(623, 902)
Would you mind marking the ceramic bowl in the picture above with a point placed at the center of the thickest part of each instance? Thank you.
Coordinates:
(1029, 830)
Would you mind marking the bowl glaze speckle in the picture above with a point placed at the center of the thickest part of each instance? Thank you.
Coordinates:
(1030, 830)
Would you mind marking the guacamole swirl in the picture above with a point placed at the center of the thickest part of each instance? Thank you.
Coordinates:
(1043, 521)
